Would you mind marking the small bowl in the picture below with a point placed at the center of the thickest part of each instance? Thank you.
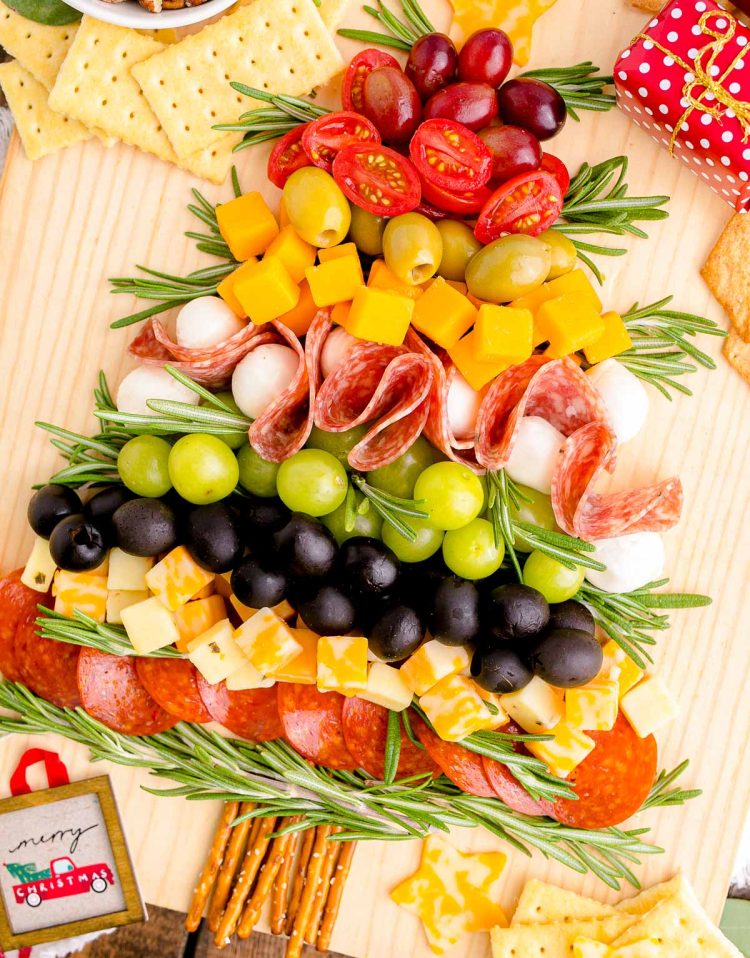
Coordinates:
(129, 13)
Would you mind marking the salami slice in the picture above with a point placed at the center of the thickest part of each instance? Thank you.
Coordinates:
(313, 724)
(507, 787)
(16, 600)
(47, 667)
(581, 511)
(315, 340)
(613, 781)
(251, 714)
(366, 733)
(173, 683)
(462, 767)
(112, 693)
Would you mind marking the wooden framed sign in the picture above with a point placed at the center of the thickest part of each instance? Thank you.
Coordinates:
(65, 869)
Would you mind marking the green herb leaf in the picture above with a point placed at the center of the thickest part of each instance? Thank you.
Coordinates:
(53, 13)
(392, 747)
(581, 86)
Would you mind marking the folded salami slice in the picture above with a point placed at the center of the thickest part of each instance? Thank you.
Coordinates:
(386, 385)
(16, 600)
(251, 714)
(315, 340)
(173, 683)
(580, 511)
(313, 725)
(47, 667)
(463, 767)
(366, 734)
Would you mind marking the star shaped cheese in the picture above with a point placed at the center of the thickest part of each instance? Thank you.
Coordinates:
(516, 17)
(452, 893)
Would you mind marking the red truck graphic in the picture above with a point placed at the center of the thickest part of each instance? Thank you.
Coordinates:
(61, 880)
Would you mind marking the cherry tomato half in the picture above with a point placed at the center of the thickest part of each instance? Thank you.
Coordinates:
(529, 203)
(287, 156)
(465, 202)
(377, 178)
(352, 91)
(449, 155)
(554, 165)
(329, 134)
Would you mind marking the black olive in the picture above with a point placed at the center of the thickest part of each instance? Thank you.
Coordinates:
(368, 567)
(260, 519)
(566, 658)
(419, 581)
(571, 615)
(329, 612)
(145, 527)
(304, 547)
(514, 612)
(259, 584)
(500, 670)
(100, 508)
(212, 537)
(77, 545)
(455, 616)
(50, 505)
(396, 633)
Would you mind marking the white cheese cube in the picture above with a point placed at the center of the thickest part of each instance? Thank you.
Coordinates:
(536, 708)
(267, 641)
(593, 707)
(386, 687)
(632, 561)
(40, 567)
(342, 664)
(248, 677)
(454, 708)
(649, 706)
(215, 653)
(121, 599)
(81, 591)
(149, 625)
(432, 662)
(624, 396)
(536, 454)
(565, 751)
(127, 573)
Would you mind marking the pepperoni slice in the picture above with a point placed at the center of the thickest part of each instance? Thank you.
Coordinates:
(613, 781)
(251, 713)
(173, 683)
(112, 693)
(16, 600)
(313, 724)
(462, 767)
(366, 733)
(49, 668)
(507, 787)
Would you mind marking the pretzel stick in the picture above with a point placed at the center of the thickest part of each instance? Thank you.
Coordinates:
(228, 869)
(343, 867)
(212, 866)
(312, 881)
(299, 879)
(277, 855)
(254, 855)
(330, 858)
(281, 886)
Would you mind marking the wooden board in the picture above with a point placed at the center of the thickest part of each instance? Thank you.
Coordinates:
(72, 220)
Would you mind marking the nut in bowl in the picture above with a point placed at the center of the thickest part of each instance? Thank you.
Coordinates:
(152, 14)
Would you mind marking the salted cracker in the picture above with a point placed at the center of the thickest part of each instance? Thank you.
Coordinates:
(649, 898)
(42, 131)
(727, 272)
(737, 354)
(38, 48)
(542, 903)
(555, 940)
(282, 46)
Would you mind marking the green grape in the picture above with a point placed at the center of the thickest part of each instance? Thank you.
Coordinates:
(338, 444)
(399, 477)
(536, 512)
(257, 475)
(366, 523)
(203, 469)
(471, 552)
(551, 578)
(235, 439)
(450, 494)
(427, 543)
(142, 464)
(312, 481)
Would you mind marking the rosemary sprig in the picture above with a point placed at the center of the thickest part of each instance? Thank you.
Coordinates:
(401, 34)
(581, 86)
(662, 795)
(392, 748)
(392, 509)
(80, 629)
(282, 115)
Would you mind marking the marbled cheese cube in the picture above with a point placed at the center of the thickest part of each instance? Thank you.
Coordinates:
(564, 751)
(303, 668)
(618, 665)
(128, 572)
(649, 706)
(177, 578)
(267, 641)
(593, 707)
(498, 715)
(196, 617)
(215, 653)
(149, 625)
(432, 662)
(245, 612)
(386, 687)
(342, 664)
(121, 599)
(536, 708)
(82, 591)
(454, 708)
(40, 567)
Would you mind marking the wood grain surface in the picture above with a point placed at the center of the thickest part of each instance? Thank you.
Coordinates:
(72, 220)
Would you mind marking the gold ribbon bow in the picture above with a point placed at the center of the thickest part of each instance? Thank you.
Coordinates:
(704, 74)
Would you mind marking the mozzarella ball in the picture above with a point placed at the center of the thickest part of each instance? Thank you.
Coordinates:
(631, 561)
(206, 321)
(335, 350)
(261, 376)
(463, 407)
(151, 382)
(624, 396)
(536, 454)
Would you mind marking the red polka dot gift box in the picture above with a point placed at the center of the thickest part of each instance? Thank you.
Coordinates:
(684, 80)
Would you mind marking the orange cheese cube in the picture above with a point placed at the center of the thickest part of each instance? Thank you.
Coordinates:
(570, 323)
(267, 641)
(476, 373)
(82, 591)
(336, 280)
(177, 578)
(615, 340)
(379, 316)
(455, 709)
(225, 289)
(443, 314)
(283, 215)
(266, 291)
(432, 662)
(293, 251)
(207, 590)
(247, 225)
(340, 313)
(196, 617)
(576, 281)
(618, 665)
(503, 334)
(335, 252)
(342, 664)
(382, 278)
(300, 317)
(303, 669)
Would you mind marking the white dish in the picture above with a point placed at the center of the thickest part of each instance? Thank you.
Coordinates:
(129, 13)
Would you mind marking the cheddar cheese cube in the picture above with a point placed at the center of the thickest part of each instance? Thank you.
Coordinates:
(336, 252)
(339, 313)
(386, 687)
(342, 664)
(569, 323)
(207, 591)
(618, 665)
(119, 600)
(267, 641)
(82, 591)
(503, 334)
(476, 373)
(300, 317)
(565, 751)
(498, 715)
(381, 277)
(225, 289)
(283, 215)
(593, 707)
(40, 567)
(303, 668)
(245, 612)
(128, 572)
(247, 225)
(196, 617)
(335, 280)
(215, 653)
(443, 314)
(149, 626)
(379, 316)
(432, 662)
(615, 340)
(177, 578)
(576, 281)
(248, 677)
(455, 708)
(295, 254)
(266, 291)
(649, 706)
(536, 707)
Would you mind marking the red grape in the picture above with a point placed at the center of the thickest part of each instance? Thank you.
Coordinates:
(486, 57)
(432, 63)
(472, 104)
(392, 103)
(534, 105)
(514, 151)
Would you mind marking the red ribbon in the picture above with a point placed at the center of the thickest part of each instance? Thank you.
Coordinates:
(57, 773)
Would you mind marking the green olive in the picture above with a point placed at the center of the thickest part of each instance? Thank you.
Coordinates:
(508, 268)
(316, 207)
(564, 255)
(413, 247)
(366, 231)
(459, 245)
